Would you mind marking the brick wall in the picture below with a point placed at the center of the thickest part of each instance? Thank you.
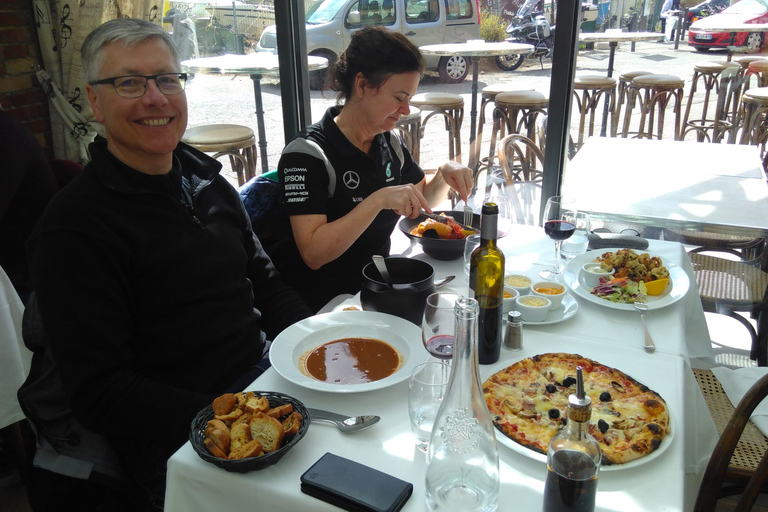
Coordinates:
(20, 92)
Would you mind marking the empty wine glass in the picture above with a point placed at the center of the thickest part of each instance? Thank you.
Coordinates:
(559, 225)
(438, 325)
(493, 188)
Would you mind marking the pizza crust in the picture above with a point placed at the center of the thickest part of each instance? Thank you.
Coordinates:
(528, 402)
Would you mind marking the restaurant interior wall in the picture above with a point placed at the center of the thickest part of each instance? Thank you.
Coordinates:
(20, 92)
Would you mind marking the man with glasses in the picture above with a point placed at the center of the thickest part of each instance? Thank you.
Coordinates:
(154, 294)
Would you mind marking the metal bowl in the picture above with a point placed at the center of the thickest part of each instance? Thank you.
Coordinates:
(436, 248)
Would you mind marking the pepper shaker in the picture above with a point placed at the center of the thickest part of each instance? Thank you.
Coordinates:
(513, 336)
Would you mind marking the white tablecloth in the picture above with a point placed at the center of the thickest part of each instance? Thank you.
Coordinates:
(15, 358)
(666, 482)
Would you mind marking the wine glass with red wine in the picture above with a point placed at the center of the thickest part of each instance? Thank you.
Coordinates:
(438, 324)
(559, 225)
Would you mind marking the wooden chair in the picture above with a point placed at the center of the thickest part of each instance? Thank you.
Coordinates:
(739, 463)
(232, 140)
(522, 163)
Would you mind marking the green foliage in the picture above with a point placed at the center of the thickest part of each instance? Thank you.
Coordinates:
(492, 27)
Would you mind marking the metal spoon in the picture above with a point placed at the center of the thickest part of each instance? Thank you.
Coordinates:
(378, 260)
(343, 423)
(642, 307)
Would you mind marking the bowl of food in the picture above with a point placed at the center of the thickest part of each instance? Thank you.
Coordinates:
(413, 281)
(247, 431)
(519, 282)
(440, 240)
(550, 290)
(593, 271)
(532, 307)
(510, 294)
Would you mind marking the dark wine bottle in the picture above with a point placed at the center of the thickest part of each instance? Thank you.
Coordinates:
(486, 280)
(573, 459)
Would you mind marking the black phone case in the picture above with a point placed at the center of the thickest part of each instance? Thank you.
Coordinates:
(354, 486)
(613, 240)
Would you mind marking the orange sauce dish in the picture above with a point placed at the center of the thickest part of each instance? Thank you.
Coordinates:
(549, 291)
(351, 361)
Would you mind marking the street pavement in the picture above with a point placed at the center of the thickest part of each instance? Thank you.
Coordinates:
(229, 99)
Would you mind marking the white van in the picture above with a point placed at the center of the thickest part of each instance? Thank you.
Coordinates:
(330, 23)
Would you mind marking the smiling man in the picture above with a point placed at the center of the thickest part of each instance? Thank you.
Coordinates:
(154, 294)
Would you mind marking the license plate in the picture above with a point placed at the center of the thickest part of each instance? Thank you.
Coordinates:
(703, 37)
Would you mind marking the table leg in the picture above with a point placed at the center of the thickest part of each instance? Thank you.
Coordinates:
(260, 123)
(473, 151)
(612, 45)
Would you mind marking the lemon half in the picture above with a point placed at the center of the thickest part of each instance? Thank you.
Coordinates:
(656, 287)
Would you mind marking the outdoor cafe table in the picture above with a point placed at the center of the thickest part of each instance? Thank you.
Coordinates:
(256, 65)
(671, 184)
(666, 482)
(476, 48)
(613, 37)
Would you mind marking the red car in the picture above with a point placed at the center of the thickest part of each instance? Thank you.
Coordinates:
(707, 33)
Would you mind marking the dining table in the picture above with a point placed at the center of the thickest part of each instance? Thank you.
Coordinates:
(667, 479)
(720, 188)
(613, 37)
(257, 65)
(476, 48)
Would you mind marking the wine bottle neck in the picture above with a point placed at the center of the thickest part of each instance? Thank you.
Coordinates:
(489, 228)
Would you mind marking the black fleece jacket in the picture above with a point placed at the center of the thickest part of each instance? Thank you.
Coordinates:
(154, 293)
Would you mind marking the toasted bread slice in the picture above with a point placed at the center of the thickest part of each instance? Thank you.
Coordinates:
(268, 430)
(280, 411)
(218, 434)
(257, 404)
(291, 424)
(240, 435)
(230, 417)
(224, 404)
(214, 449)
(248, 450)
(244, 418)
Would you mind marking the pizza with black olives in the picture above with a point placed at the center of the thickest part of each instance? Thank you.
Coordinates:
(528, 402)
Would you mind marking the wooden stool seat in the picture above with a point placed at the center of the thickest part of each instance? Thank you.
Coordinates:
(706, 127)
(409, 127)
(745, 61)
(622, 95)
(488, 96)
(236, 141)
(589, 90)
(755, 106)
(451, 107)
(515, 112)
(655, 92)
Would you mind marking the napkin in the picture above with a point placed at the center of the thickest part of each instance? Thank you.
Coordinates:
(736, 383)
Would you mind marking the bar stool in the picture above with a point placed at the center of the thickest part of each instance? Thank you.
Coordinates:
(709, 73)
(409, 127)
(515, 112)
(593, 89)
(451, 107)
(655, 92)
(488, 96)
(759, 69)
(755, 103)
(236, 141)
(622, 96)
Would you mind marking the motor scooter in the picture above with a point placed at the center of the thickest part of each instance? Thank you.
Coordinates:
(183, 32)
(529, 26)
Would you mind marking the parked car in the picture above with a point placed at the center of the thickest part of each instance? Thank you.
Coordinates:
(704, 9)
(330, 23)
(744, 12)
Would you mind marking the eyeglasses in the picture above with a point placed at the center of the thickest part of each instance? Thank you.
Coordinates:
(134, 86)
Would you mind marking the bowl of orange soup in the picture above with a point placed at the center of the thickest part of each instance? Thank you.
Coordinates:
(550, 290)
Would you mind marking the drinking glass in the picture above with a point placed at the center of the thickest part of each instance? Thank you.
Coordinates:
(493, 188)
(426, 389)
(579, 242)
(470, 244)
(558, 225)
(438, 325)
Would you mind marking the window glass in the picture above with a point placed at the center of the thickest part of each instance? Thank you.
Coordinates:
(459, 9)
(422, 11)
(323, 11)
(371, 12)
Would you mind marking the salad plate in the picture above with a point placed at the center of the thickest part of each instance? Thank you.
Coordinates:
(574, 280)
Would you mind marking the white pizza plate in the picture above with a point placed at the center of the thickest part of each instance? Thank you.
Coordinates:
(567, 309)
(517, 447)
(574, 280)
(314, 331)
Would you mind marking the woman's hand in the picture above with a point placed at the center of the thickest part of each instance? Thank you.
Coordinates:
(404, 200)
(458, 177)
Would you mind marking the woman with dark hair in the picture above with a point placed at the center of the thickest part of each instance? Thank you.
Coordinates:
(347, 179)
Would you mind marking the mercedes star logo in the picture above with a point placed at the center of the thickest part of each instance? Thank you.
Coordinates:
(351, 180)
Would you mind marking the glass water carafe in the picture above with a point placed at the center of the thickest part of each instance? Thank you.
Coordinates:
(462, 459)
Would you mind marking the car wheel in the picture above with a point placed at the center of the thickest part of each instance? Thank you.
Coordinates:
(317, 78)
(453, 69)
(509, 62)
(753, 42)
